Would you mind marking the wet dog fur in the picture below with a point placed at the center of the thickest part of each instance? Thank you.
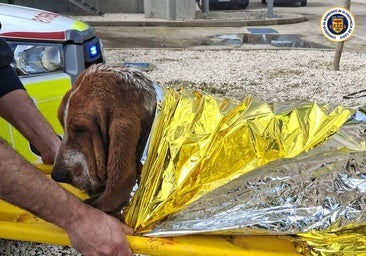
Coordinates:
(107, 117)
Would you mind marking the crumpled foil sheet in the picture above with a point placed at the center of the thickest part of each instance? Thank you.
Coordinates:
(216, 166)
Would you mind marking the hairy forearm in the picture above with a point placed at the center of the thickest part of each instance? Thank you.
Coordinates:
(18, 109)
(90, 231)
(23, 185)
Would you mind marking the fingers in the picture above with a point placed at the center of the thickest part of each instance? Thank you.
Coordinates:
(127, 230)
(131, 253)
(125, 250)
(123, 254)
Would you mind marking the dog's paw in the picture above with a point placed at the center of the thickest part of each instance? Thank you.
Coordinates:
(108, 206)
(90, 200)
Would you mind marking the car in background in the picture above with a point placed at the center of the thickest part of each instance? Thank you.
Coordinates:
(50, 51)
(302, 2)
(225, 4)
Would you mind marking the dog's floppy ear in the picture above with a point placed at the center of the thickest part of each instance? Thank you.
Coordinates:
(65, 99)
(124, 131)
(61, 108)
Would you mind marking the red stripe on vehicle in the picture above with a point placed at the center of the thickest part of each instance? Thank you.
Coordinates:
(36, 35)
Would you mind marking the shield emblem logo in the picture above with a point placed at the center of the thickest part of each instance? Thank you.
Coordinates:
(337, 24)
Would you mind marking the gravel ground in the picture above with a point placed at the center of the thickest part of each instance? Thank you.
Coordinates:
(271, 75)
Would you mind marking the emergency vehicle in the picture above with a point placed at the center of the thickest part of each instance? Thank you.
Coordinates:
(50, 51)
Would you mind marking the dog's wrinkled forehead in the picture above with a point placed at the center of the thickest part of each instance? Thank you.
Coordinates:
(131, 77)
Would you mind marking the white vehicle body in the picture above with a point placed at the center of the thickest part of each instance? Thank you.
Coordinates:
(50, 51)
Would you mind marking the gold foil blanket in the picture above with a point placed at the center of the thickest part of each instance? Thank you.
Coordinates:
(217, 166)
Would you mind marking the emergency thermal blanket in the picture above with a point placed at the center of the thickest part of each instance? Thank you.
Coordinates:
(219, 166)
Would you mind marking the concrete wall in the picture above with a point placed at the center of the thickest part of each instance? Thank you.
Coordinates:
(185, 9)
(170, 9)
(106, 6)
(165, 9)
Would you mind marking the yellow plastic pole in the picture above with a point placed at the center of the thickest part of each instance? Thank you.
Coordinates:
(45, 168)
(199, 245)
(18, 224)
(183, 245)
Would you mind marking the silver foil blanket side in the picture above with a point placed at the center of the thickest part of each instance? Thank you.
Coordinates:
(322, 189)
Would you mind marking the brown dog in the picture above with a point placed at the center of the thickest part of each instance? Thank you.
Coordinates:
(107, 117)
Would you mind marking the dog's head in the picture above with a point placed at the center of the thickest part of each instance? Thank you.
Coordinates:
(107, 117)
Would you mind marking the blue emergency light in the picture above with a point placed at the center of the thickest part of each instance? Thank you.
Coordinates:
(93, 50)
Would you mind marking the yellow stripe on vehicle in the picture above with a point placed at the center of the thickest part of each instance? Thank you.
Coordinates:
(47, 92)
(79, 26)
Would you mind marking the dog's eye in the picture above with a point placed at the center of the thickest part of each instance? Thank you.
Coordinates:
(79, 129)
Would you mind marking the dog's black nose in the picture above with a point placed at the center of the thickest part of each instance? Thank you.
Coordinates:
(60, 175)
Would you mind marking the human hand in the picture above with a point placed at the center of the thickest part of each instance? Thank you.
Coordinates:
(49, 152)
(91, 231)
(98, 234)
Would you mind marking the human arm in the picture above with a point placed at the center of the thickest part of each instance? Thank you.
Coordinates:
(18, 109)
(91, 231)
